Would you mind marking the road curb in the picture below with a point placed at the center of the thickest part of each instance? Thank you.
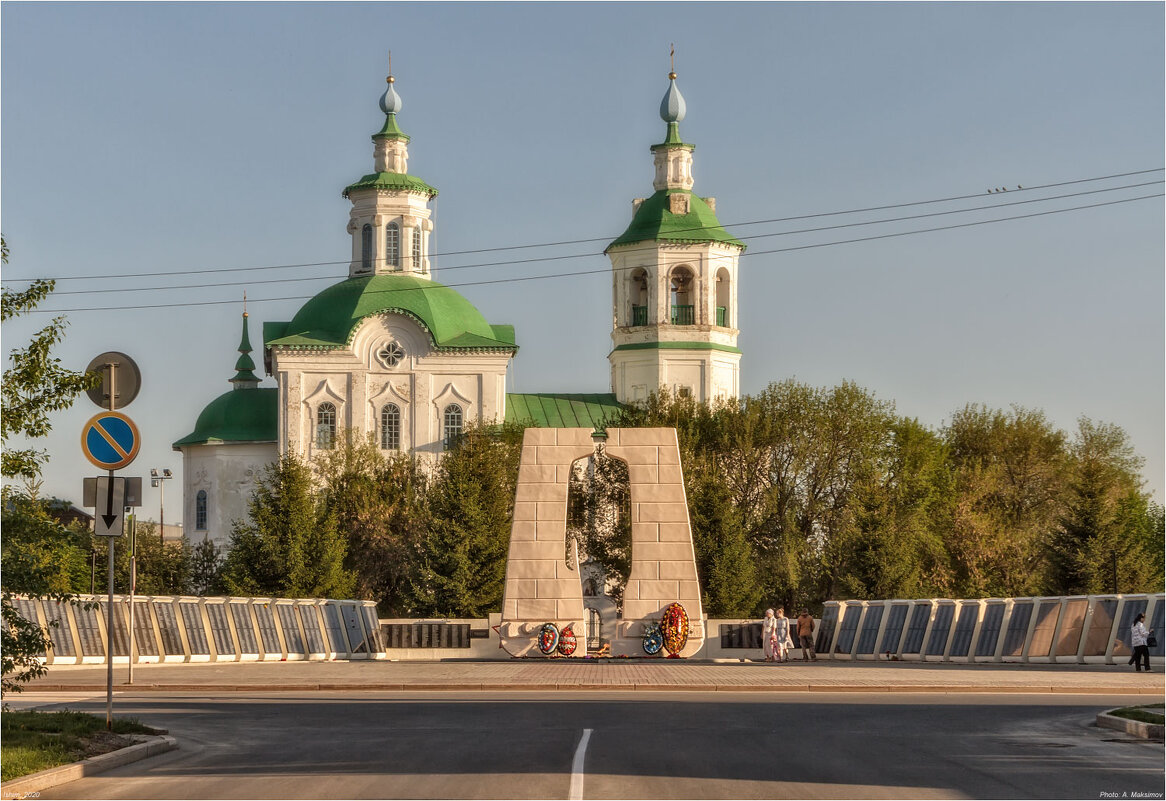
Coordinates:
(1146, 731)
(594, 686)
(151, 745)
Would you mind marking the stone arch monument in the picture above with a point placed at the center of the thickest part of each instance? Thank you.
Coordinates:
(543, 586)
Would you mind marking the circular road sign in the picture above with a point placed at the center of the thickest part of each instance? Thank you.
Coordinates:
(127, 380)
(110, 440)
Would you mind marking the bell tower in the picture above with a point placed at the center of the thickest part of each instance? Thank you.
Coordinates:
(390, 219)
(674, 284)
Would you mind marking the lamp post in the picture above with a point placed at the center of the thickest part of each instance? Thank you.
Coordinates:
(156, 479)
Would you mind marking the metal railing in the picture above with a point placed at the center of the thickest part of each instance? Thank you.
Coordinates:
(639, 315)
(683, 315)
(173, 628)
(1073, 629)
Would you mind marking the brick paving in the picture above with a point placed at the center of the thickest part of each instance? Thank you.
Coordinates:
(615, 674)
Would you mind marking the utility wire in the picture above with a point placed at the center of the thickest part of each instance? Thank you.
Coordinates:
(520, 279)
(602, 239)
(590, 255)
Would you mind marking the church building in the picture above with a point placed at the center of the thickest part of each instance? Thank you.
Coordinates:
(390, 352)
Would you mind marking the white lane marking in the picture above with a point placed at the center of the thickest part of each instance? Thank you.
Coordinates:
(576, 793)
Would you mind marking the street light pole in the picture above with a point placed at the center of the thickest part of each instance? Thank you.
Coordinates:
(156, 480)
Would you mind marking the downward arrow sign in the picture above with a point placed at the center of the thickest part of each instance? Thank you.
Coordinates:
(109, 500)
(108, 516)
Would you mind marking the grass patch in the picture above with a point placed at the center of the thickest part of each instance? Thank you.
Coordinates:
(1146, 713)
(33, 741)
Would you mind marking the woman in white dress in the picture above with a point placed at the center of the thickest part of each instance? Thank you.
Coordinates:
(768, 634)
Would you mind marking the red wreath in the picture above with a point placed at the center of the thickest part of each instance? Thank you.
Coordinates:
(674, 625)
(567, 642)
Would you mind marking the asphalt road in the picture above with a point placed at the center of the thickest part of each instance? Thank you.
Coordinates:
(628, 745)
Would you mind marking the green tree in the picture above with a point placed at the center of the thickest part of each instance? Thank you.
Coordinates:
(206, 569)
(1009, 471)
(290, 546)
(726, 561)
(379, 504)
(1104, 540)
(460, 562)
(903, 516)
(34, 386)
(39, 558)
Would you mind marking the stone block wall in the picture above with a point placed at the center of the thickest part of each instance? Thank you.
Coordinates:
(542, 587)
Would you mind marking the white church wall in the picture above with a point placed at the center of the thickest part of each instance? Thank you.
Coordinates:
(390, 360)
(227, 473)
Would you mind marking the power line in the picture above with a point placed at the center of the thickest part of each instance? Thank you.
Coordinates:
(604, 238)
(605, 270)
(592, 254)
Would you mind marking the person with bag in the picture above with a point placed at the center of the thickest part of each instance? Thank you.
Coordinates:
(768, 634)
(806, 636)
(781, 639)
(1140, 641)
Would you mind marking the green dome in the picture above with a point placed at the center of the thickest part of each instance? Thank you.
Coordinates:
(242, 415)
(329, 319)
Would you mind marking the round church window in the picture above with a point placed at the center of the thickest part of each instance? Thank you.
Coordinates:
(390, 354)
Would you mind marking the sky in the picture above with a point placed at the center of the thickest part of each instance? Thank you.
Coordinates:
(160, 140)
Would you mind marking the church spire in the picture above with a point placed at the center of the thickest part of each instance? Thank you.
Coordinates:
(391, 152)
(244, 367)
(673, 156)
(390, 217)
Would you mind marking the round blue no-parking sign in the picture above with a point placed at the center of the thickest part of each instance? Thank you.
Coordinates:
(110, 440)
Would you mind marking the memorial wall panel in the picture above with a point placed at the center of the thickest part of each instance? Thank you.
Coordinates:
(195, 631)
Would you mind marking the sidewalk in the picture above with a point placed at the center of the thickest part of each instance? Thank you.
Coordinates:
(618, 674)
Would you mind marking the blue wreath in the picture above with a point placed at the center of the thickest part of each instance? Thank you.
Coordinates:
(653, 639)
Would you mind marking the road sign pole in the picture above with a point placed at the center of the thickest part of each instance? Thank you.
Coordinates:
(133, 588)
(109, 641)
(109, 611)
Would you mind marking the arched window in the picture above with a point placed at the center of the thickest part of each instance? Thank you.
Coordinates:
(417, 263)
(200, 511)
(683, 300)
(366, 247)
(393, 245)
(723, 297)
(451, 425)
(639, 297)
(325, 425)
(391, 427)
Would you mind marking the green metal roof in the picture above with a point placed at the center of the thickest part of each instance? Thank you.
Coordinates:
(391, 180)
(653, 222)
(673, 140)
(557, 410)
(247, 414)
(328, 320)
(390, 130)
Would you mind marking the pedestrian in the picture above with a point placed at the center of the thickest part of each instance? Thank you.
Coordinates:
(806, 636)
(782, 641)
(1139, 639)
(768, 632)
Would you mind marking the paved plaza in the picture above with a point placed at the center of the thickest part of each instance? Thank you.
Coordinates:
(614, 674)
